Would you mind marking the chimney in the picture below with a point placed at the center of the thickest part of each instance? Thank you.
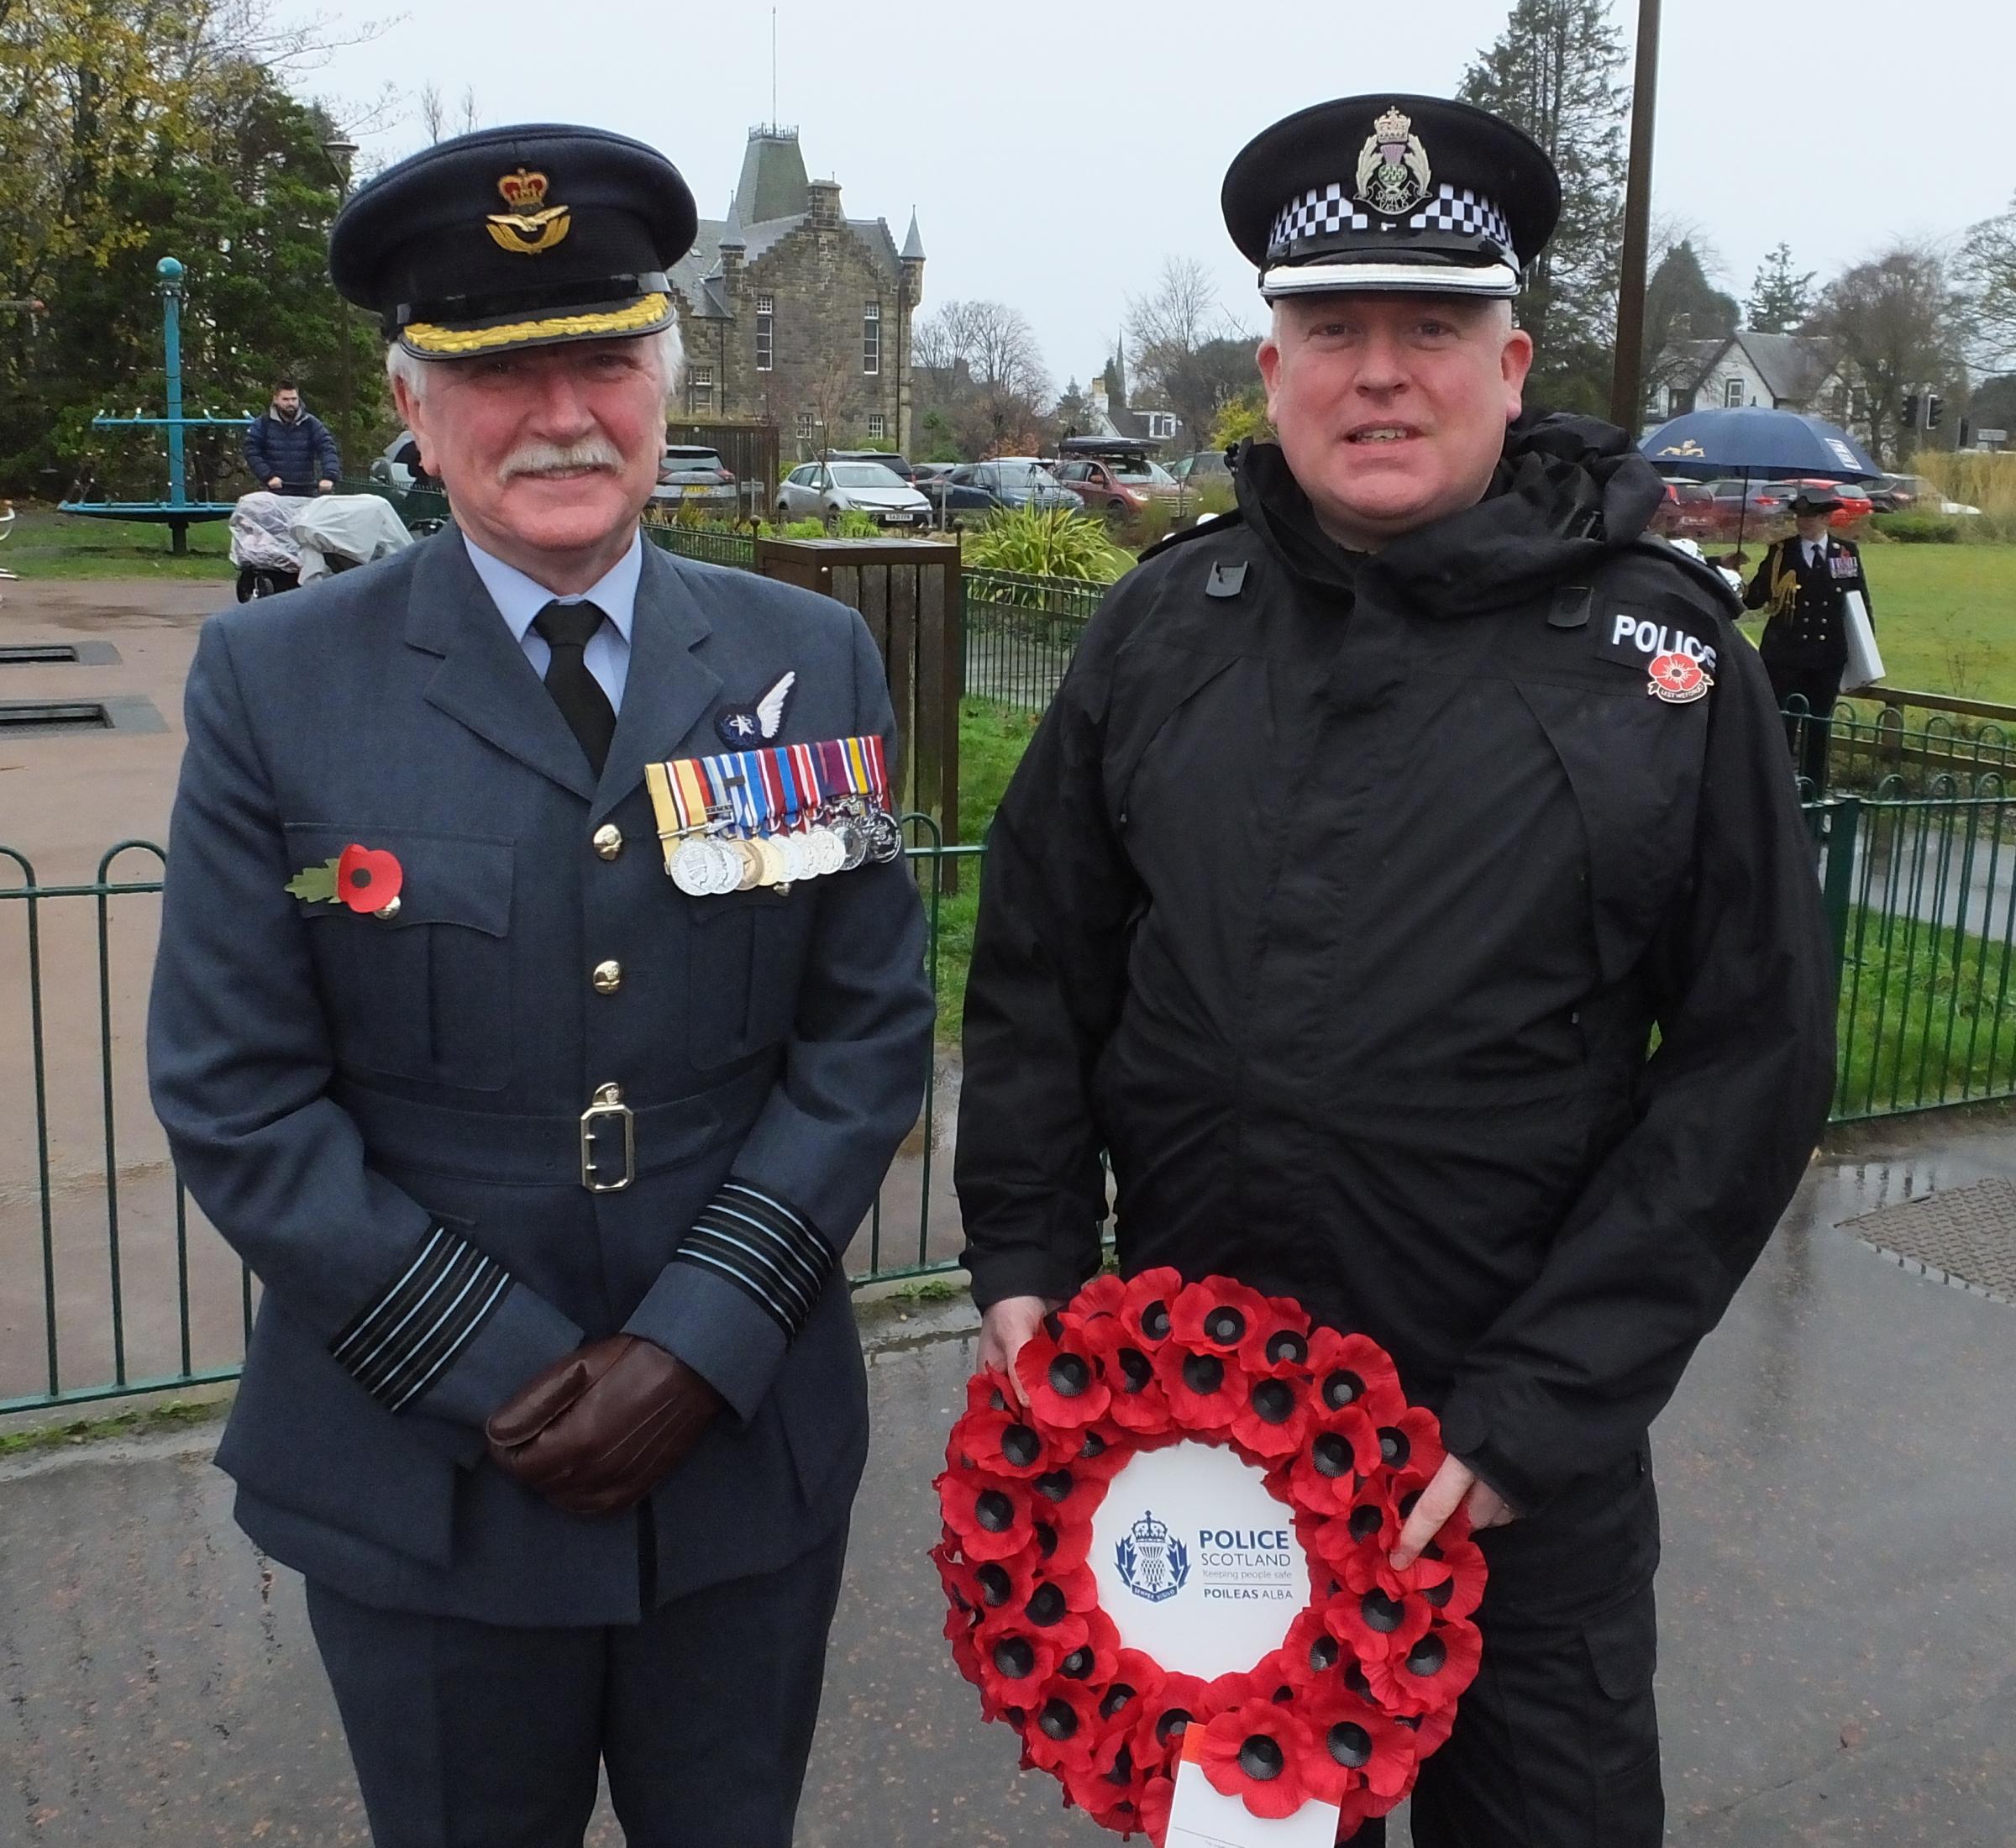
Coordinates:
(825, 204)
(731, 246)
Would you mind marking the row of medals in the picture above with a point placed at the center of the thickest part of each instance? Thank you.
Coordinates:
(837, 841)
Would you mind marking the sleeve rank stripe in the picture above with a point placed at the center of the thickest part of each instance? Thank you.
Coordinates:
(758, 1270)
(388, 1354)
(783, 1219)
(721, 1217)
(686, 1255)
(452, 1329)
(398, 1347)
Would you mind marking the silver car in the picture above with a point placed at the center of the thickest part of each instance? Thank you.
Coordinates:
(824, 491)
(688, 475)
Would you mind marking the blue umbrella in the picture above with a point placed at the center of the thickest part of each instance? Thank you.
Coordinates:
(1776, 444)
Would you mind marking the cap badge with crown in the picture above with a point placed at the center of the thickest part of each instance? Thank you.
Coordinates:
(1393, 167)
(531, 225)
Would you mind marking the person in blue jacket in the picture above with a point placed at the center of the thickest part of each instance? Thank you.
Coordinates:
(289, 449)
(545, 1161)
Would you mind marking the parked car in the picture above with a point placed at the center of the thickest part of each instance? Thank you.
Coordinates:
(1207, 465)
(824, 491)
(688, 475)
(1006, 482)
(896, 465)
(1687, 511)
(1913, 494)
(1112, 476)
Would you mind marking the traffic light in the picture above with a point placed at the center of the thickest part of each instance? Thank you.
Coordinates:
(1934, 410)
(1907, 412)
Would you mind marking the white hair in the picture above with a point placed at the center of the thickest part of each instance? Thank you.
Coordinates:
(402, 366)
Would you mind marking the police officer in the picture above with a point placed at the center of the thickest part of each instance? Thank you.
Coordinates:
(1375, 829)
(1804, 581)
(545, 1161)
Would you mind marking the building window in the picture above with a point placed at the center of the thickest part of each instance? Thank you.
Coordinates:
(1679, 404)
(700, 390)
(1162, 426)
(871, 338)
(1732, 395)
(765, 316)
(807, 424)
(877, 427)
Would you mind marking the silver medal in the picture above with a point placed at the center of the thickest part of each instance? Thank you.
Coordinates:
(693, 867)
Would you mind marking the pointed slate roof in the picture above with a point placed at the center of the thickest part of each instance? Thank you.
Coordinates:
(772, 183)
(913, 246)
(731, 237)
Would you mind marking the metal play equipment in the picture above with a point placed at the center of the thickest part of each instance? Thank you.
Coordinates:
(178, 513)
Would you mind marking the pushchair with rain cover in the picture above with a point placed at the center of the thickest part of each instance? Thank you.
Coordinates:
(280, 540)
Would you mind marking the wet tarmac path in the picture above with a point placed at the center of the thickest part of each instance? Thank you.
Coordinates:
(1839, 1655)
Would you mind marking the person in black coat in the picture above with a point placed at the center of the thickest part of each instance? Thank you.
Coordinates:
(1804, 580)
(289, 449)
(1375, 829)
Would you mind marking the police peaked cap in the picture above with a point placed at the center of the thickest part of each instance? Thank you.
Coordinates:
(1391, 192)
(516, 237)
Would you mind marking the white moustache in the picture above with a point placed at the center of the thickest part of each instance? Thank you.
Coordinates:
(551, 459)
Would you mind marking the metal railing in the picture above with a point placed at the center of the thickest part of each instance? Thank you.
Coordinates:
(709, 545)
(1873, 752)
(1021, 633)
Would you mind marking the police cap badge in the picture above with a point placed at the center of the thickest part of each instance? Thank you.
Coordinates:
(1391, 192)
(516, 237)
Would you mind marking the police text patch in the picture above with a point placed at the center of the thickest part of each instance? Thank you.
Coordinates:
(1638, 641)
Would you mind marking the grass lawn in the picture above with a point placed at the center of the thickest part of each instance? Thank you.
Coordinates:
(1946, 618)
(48, 545)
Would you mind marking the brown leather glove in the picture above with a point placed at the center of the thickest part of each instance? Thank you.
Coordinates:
(599, 1430)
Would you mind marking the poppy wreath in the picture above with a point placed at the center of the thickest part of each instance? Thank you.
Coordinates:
(1364, 1684)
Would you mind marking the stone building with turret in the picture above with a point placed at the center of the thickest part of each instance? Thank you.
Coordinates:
(795, 314)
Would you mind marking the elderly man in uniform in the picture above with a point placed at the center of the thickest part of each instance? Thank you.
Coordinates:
(1373, 833)
(545, 1161)
(1805, 582)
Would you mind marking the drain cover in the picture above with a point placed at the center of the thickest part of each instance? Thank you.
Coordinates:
(36, 654)
(28, 717)
(1960, 1235)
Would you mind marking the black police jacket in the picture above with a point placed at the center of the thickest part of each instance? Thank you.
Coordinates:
(1339, 902)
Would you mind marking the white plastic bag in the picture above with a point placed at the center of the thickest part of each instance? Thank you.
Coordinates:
(1865, 665)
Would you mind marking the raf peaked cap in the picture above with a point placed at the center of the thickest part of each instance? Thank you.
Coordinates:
(1391, 192)
(516, 237)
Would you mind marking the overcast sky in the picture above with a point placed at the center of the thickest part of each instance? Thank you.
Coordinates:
(1056, 153)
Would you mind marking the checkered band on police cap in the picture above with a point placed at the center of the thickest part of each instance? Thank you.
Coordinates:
(1324, 211)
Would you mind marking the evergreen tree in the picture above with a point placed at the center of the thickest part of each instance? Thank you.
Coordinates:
(1780, 301)
(1681, 306)
(1554, 71)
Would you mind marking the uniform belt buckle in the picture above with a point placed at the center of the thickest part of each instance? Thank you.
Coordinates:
(598, 1124)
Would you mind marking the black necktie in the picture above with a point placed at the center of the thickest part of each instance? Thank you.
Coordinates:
(566, 629)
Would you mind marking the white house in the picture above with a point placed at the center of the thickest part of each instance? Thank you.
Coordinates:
(1782, 371)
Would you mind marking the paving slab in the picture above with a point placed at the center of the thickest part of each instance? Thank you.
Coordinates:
(1838, 1658)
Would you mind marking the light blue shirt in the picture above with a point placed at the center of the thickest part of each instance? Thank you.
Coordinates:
(518, 600)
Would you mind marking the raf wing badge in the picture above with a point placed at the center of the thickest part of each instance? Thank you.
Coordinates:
(531, 225)
(742, 819)
(366, 879)
(756, 724)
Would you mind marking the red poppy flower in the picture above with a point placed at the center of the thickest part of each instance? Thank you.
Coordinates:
(965, 1653)
(1355, 1370)
(368, 879)
(1450, 1574)
(1309, 1656)
(1102, 1296)
(991, 1516)
(1156, 1794)
(1063, 1729)
(1145, 1305)
(1260, 1752)
(1430, 1673)
(1102, 1451)
(1430, 1729)
(1204, 1390)
(1175, 1703)
(987, 1391)
(1095, 1661)
(1105, 1790)
(1138, 1404)
(1411, 1446)
(1374, 1619)
(1273, 1420)
(1216, 1318)
(1358, 1748)
(1340, 1449)
(998, 1442)
(1059, 1372)
(1278, 1342)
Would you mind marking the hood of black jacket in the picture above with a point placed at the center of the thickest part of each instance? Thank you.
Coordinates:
(1567, 491)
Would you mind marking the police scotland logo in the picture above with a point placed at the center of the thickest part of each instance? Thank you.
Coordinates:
(1152, 1562)
(1393, 167)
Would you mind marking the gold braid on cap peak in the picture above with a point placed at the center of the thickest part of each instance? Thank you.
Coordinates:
(425, 337)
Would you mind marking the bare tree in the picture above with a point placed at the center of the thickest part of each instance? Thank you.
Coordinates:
(1901, 329)
(1986, 270)
(984, 358)
(440, 121)
(827, 383)
(1189, 353)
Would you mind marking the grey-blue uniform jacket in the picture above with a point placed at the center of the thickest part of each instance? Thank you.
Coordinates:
(383, 1116)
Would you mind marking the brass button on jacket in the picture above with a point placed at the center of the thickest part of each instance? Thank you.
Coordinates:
(607, 840)
(607, 977)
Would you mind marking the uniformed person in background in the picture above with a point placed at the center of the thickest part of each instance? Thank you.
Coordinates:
(1803, 580)
(1375, 829)
(544, 1164)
